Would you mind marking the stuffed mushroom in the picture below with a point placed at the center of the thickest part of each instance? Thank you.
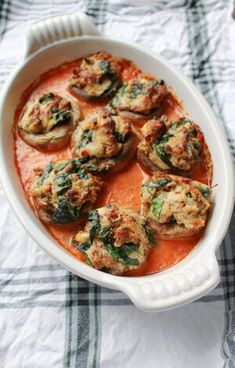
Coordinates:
(96, 78)
(63, 191)
(170, 145)
(175, 207)
(104, 141)
(48, 121)
(140, 99)
(115, 240)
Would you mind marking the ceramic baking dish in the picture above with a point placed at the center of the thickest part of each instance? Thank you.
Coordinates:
(53, 41)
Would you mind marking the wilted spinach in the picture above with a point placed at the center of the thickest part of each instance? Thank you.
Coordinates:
(61, 116)
(156, 206)
(83, 246)
(106, 67)
(64, 213)
(86, 138)
(204, 191)
(45, 174)
(137, 89)
(46, 97)
(149, 234)
(159, 149)
(119, 137)
(156, 183)
(119, 253)
(62, 182)
(94, 219)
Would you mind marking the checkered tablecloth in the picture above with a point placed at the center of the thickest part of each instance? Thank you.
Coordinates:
(50, 318)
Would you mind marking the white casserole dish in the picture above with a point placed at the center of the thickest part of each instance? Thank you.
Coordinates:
(50, 43)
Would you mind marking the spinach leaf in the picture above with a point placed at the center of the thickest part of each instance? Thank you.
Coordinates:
(193, 132)
(149, 234)
(86, 138)
(108, 241)
(131, 261)
(62, 182)
(159, 82)
(196, 145)
(94, 219)
(156, 206)
(61, 116)
(119, 137)
(81, 172)
(174, 126)
(88, 61)
(78, 169)
(49, 167)
(125, 250)
(46, 97)
(137, 89)
(159, 149)
(88, 261)
(60, 165)
(183, 121)
(46, 172)
(157, 184)
(119, 253)
(116, 99)
(64, 213)
(172, 220)
(83, 246)
(80, 161)
(106, 67)
(129, 247)
(204, 191)
(166, 137)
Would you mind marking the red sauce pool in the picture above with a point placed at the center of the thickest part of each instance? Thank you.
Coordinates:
(122, 188)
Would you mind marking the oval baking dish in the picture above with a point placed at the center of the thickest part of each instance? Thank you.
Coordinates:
(56, 40)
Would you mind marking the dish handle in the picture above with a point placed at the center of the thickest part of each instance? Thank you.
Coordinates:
(56, 28)
(187, 284)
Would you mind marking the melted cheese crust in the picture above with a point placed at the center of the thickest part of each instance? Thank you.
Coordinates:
(120, 244)
(175, 206)
(101, 136)
(171, 144)
(45, 112)
(95, 75)
(140, 95)
(64, 182)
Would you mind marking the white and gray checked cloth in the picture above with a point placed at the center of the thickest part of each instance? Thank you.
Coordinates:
(50, 318)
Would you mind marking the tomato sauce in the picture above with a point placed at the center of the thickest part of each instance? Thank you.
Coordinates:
(122, 188)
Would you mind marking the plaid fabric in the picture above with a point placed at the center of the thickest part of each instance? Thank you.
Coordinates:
(51, 318)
